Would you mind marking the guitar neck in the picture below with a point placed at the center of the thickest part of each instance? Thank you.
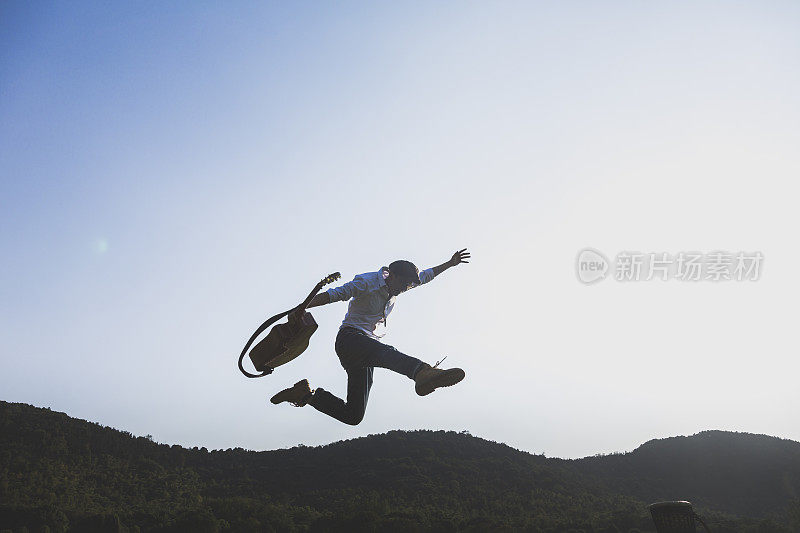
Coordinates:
(310, 297)
(329, 279)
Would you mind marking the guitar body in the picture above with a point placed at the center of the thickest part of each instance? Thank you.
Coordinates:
(283, 343)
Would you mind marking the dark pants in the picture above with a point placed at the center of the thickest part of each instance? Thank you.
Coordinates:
(359, 354)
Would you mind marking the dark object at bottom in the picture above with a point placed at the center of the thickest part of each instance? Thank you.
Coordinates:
(675, 517)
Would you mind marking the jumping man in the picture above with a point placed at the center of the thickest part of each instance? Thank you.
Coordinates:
(372, 297)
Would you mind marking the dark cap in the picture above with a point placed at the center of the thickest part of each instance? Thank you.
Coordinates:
(405, 270)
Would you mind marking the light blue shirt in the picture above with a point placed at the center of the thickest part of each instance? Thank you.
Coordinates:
(370, 303)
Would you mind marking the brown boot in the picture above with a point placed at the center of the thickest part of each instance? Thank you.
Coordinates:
(430, 378)
(298, 394)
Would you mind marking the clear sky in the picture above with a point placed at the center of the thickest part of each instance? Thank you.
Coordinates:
(171, 174)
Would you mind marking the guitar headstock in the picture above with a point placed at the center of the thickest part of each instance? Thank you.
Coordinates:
(330, 278)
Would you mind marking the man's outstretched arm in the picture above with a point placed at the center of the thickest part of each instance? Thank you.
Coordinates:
(320, 299)
(459, 257)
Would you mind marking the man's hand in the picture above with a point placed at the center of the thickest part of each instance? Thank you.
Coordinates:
(320, 299)
(459, 257)
(296, 315)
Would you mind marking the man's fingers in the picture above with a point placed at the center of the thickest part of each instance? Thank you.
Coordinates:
(461, 256)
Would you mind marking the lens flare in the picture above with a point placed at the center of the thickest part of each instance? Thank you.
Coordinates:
(100, 246)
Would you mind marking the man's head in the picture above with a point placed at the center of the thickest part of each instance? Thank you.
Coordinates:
(402, 276)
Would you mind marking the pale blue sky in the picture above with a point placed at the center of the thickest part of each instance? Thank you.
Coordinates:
(171, 175)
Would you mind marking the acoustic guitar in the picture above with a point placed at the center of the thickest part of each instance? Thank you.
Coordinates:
(285, 341)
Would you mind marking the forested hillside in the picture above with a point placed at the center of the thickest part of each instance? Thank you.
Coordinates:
(73, 475)
(740, 473)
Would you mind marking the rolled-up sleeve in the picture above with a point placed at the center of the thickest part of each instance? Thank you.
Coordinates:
(426, 275)
(351, 289)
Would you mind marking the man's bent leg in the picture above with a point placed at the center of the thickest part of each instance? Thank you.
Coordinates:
(359, 381)
(386, 356)
(357, 349)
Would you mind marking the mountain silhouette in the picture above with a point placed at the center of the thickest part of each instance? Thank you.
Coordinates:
(67, 474)
(739, 473)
